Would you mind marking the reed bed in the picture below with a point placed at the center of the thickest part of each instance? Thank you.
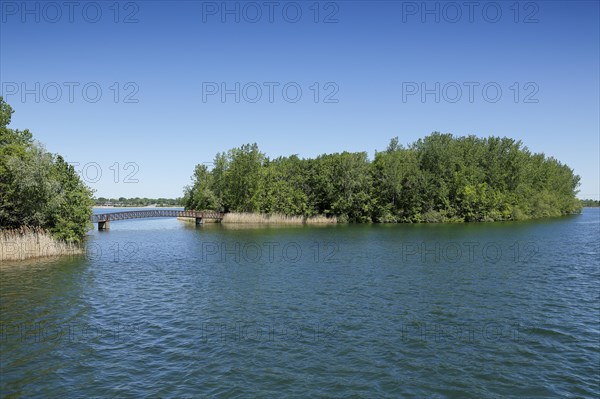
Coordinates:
(320, 219)
(193, 220)
(261, 218)
(26, 243)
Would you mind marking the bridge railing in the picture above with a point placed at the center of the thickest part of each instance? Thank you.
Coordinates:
(151, 213)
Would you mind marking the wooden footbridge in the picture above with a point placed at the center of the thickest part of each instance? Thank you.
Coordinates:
(104, 219)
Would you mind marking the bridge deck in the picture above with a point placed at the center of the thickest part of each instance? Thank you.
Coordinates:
(155, 213)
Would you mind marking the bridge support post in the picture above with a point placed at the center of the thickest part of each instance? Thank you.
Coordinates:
(105, 225)
(199, 221)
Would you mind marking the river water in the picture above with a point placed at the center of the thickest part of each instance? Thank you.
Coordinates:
(162, 308)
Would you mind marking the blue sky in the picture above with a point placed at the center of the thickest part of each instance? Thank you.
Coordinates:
(367, 72)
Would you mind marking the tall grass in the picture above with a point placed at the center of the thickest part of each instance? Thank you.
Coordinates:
(26, 242)
(193, 220)
(261, 218)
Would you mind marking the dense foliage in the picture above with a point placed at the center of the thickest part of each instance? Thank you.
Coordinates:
(438, 178)
(137, 201)
(39, 189)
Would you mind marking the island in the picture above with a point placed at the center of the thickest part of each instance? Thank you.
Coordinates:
(439, 178)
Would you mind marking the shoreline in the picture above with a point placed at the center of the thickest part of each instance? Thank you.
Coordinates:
(262, 218)
(234, 218)
(259, 219)
(29, 243)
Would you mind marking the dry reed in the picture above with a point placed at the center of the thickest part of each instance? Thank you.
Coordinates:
(193, 220)
(26, 242)
(261, 218)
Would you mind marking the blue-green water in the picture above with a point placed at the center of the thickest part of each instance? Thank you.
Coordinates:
(160, 308)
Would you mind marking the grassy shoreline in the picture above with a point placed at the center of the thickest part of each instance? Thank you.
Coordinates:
(261, 218)
(28, 243)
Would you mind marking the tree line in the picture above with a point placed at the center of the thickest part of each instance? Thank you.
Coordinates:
(440, 178)
(39, 189)
(590, 203)
(137, 201)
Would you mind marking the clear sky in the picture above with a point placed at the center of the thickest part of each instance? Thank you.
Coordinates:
(183, 80)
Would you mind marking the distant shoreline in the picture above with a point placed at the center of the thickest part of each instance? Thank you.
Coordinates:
(134, 206)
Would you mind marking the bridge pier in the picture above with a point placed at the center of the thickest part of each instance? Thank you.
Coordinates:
(199, 221)
(104, 225)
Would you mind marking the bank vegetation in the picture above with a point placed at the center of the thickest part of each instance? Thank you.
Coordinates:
(440, 178)
(45, 208)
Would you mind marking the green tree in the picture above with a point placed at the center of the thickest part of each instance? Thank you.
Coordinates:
(199, 195)
(241, 178)
(72, 201)
(39, 189)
